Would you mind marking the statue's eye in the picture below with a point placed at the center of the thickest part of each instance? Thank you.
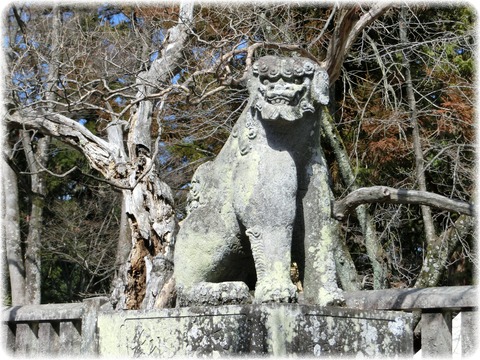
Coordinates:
(298, 80)
(265, 82)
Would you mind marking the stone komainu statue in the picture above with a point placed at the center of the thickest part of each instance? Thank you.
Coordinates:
(265, 201)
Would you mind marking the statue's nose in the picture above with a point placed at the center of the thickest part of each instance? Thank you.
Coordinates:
(280, 85)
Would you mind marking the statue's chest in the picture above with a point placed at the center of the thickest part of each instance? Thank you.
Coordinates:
(262, 174)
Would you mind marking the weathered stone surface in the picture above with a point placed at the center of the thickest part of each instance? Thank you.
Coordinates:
(265, 201)
(436, 333)
(469, 332)
(273, 329)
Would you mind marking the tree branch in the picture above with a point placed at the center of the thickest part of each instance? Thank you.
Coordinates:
(439, 252)
(43, 169)
(160, 71)
(99, 152)
(349, 26)
(384, 194)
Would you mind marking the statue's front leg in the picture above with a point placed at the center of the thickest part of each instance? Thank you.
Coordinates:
(271, 249)
(265, 203)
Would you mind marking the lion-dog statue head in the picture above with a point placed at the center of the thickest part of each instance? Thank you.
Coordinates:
(286, 88)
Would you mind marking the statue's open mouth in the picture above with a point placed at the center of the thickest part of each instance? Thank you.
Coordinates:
(284, 100)
(279, 102)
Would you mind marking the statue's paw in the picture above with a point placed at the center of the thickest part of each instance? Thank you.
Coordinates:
(331, 298)
(272, 292)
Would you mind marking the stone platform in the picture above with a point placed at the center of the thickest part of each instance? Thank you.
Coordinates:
(255, 330)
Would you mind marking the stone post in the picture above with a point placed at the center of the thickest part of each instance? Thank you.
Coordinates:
(89, 325)
(436, 333)
(469, 332)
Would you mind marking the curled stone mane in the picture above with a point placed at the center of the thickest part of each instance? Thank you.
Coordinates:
(273, 66)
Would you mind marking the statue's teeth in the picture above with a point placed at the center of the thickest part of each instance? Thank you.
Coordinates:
(280, 101)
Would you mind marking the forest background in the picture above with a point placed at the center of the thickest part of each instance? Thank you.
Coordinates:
(401, 114)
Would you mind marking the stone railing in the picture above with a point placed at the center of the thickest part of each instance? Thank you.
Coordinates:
(52, 329)
(436, 307)
(83, 328)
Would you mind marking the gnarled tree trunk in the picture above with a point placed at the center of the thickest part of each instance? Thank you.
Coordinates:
(148, 201)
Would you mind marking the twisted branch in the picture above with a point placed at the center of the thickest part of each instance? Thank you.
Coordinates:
(385, 194)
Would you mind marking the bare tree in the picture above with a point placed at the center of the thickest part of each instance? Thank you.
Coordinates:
(36, 160)
(148, 200)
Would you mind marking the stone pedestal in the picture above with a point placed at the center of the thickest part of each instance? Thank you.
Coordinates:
(273, 329)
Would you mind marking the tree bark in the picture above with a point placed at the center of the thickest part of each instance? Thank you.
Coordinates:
(346, 271)
(36, 161)
(10, 216)
(124, 240)
(160, 72)
(149, 206)
(102, 156)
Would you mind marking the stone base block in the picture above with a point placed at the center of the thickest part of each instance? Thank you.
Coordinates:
(273, 329)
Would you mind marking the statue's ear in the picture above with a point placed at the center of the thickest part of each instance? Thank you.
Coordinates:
(320, 86)
(252, 79)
